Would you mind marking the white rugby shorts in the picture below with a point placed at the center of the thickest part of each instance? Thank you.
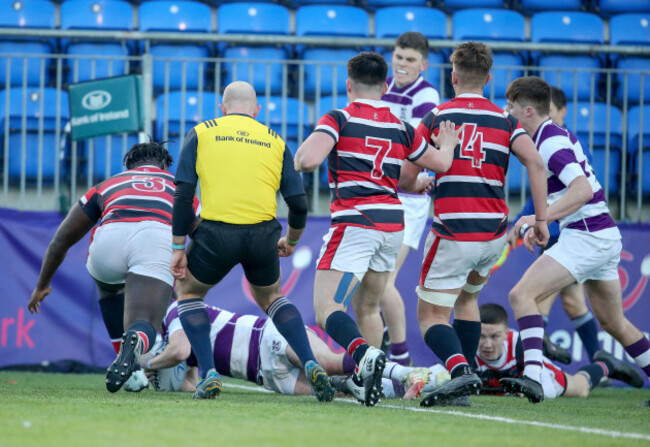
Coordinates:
(416, 212)
(553, 381)
(356, 249)
(278, 373)
(447, 262)
(143, 248)
(586, 256)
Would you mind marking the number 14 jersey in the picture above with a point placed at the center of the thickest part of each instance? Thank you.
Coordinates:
(469, 202)
(364, 166)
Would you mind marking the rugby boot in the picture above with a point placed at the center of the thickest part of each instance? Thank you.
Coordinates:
(121, 369)
(620, 370)
(463, 385)
(555, 352)
(530, 388)
(209, 387)
(320, 382)
(368, 375)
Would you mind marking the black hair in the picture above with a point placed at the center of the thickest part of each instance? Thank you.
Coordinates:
(414, 40)
(369, 69)
(152, 152)
(531, 91)
(493, 313)
(558, 98)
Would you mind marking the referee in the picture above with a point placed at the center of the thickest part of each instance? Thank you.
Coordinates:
(241, 164)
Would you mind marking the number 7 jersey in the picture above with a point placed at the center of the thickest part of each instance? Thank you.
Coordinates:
(364, 166)
(469, 201)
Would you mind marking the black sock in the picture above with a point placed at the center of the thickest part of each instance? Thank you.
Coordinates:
(288, 322)
(596, 372)
(444, 343)
(469, 334)
(196, 324)
(588, 331)
(342, 328)
(112, 310)
(146, 332)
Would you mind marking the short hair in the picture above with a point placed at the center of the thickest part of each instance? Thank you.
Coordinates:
(368, 70)
(558, 97)
(493, 313)
(472, 62)
(414, 40)
(531, 91)
(152, 152)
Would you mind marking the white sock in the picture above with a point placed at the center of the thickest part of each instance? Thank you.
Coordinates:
(395, 371)
(389, 390)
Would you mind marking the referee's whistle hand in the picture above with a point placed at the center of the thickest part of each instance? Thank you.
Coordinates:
(178, 264)
(284, 248)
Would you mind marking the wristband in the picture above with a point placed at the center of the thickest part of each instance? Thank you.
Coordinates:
(292, 242)
(523, 229)
(178, 247)
(149, 363)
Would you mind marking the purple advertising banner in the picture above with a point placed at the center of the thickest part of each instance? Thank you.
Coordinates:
(69, 325)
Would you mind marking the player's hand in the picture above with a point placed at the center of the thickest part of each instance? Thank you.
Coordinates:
(178, 264)
(540, 229)
(423, 184)
(38, 295)
(447, 135)
(511, 238)
(285, 249)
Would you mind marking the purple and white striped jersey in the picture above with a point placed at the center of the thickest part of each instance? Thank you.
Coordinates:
(411, 102)
(235, 339)
(565, 161)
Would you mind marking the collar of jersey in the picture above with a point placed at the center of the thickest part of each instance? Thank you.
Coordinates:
(378, 104)
(406, 87)
(538, 132)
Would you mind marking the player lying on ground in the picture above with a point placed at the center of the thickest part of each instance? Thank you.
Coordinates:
(500, 354)
(250, 348)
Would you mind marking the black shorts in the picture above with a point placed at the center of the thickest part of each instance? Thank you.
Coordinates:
(217, 247)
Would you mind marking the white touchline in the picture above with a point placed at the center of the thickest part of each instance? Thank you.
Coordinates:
(593, 431)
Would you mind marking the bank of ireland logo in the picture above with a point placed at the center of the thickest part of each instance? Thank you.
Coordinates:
(95, 100)
(630, 298)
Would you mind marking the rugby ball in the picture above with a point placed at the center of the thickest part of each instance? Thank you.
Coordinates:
(170, 379)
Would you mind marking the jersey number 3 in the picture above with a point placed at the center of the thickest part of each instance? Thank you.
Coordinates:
(471, 145)
(383, 147)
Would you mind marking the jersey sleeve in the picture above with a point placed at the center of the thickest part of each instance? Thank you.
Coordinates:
(186, 167)
(418, 143)
(516, 130)
(426, 125)
(563, 164)
(290, 181)
(92, 203)
(331, 124)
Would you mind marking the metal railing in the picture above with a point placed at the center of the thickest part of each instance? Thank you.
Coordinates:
(78, 165)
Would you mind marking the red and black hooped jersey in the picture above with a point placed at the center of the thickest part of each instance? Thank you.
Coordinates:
(365, 164)
(143, 193)
(469, 202)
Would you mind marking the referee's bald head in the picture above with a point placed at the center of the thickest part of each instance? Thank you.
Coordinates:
(240, 97)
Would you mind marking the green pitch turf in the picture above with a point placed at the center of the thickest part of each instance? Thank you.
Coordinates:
(76, 410)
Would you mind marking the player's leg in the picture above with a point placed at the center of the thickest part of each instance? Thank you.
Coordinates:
(365, 302)
(545, 304)
(575, 306)
(580, 384)
(467, 321)
(606, 302)
(262, 269)
(111, 306)
(333, 363)
(392, 307)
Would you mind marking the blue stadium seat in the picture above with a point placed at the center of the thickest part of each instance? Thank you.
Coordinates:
(326, 20)
(118, 149)
(334, 59)
(488, 24)
(177, 16)
(568, 26)
(27, 14)
(291, 115)
(198, 108)
(391, 22)
(581, 126)
(299, 3)
(374, 4)
(252, 18)
(459, 4)
(256, 73)
(634, 91)
(97, 14)
(616, 6)
(328, 103)
(432, 73)
(34, 53)
(549, 5)
(630, 29)
(570, 72)
(635, 128)
(101, 60)
(35, 100)
(502, 77)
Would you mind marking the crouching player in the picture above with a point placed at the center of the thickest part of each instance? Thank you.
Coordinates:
(500, 354)
(251, 348)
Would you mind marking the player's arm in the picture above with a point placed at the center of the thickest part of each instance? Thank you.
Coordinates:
(410, 179)
(524, 149)
(75, 226)
(313, 151)
(183, 215)
(577, 194)
(439, 157)
(177, 349)
(293, 192)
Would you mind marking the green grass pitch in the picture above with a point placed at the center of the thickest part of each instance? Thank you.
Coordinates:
(75, 410)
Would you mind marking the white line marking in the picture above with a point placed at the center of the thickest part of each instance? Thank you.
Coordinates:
(592, 431)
